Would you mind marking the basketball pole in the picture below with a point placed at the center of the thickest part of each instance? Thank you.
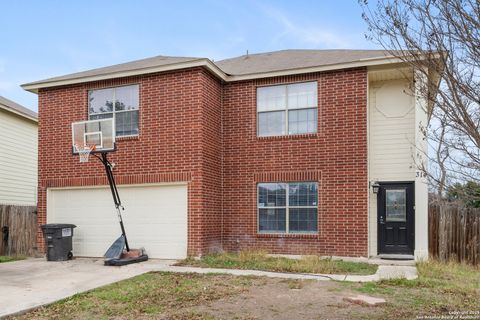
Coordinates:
(116, 197)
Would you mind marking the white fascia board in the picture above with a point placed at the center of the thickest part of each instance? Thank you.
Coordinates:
(20, 114)
(33, 87)
(207, 63)
(338, 66)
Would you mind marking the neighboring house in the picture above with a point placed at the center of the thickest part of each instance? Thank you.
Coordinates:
(18, 154)
(278, 151)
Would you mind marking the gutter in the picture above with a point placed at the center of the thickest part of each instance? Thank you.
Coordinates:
(18, 113)
(35, 86)
(213, 68)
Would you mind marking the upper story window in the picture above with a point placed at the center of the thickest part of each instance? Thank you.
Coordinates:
(287, 109)
(119, 103)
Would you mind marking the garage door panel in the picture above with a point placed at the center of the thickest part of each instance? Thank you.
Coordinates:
(142, 218)
(141, 231)
(155, 217)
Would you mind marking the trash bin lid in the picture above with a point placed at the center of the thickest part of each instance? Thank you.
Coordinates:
(58, 226)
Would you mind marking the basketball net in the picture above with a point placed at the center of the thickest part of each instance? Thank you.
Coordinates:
(84, 152)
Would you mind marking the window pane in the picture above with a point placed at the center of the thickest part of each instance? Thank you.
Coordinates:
(302, 95)
(101, 116)
(126, 123)
(100, 101)
(271, 123)
(302, 220)
(272, 220)
(126, 98)
(271, 98)
(302, 121)
(303, 194)
(272, 195)
(396, 209)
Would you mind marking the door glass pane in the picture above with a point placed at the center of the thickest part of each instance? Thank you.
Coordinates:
(395, 205)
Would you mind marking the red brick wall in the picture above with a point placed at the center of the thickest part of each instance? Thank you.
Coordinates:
(186, 135)
(211, 194)
(170, 147)
(336, 157)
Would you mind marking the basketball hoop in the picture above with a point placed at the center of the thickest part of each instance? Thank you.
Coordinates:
(84, 152)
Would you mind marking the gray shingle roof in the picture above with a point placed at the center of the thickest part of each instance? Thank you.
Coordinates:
(16, 108)
(249, 66)
(293, 59)
(128, 66)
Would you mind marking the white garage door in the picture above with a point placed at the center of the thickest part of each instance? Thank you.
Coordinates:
(155, 218)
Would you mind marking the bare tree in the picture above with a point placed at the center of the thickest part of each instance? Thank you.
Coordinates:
(439, 172)
(440, 39)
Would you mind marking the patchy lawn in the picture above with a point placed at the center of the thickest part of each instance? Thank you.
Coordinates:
(156, 293)
(441, 289)
(10, 258)
(258, 260)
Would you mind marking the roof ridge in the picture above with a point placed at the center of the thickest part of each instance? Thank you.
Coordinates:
(298, 50)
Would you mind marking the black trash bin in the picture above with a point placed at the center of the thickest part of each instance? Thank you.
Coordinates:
(58, 241)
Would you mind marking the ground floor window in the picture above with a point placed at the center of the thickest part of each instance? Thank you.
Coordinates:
(287, 207)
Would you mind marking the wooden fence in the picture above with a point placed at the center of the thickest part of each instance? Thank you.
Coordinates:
(454, 233)
(21, 222)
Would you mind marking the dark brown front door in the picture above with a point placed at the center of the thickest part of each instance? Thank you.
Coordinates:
(396, 216)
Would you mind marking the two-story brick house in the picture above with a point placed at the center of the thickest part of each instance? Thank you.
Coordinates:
(295, 152)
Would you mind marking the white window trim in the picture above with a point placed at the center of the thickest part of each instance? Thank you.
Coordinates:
(287, 210)
(113, 112)
(286, 110)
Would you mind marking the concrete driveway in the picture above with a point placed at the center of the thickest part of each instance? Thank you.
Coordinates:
(31, 283)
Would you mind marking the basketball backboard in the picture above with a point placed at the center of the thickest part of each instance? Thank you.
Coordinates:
(99, 134)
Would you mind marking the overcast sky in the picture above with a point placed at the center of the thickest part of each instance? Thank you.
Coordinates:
(42, 39)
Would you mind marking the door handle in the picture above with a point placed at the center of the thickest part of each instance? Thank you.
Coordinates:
(381, 220)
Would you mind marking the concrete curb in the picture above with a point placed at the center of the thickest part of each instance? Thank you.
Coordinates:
(383, 273)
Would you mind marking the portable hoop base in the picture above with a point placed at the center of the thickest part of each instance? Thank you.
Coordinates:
(132, 256)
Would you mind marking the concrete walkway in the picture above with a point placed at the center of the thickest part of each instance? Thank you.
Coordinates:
(32, 283)
(383, 273)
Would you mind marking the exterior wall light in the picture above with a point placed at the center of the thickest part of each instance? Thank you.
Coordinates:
(375, 187)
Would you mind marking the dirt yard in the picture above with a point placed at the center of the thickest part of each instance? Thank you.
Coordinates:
(193, 296)
(442, 291)
(288, 299)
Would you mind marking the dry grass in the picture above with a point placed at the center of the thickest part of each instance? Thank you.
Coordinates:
(440, 289)
(260, 260)
(149, 295)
